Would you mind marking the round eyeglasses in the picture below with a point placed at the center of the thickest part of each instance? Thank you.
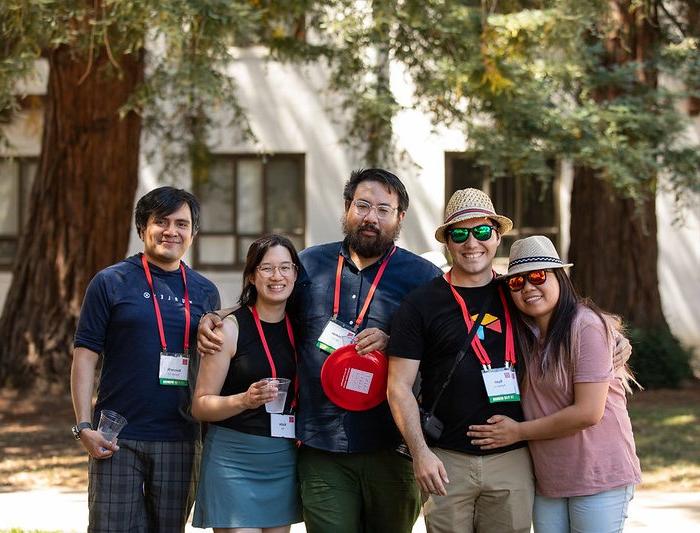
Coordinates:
(285, 269)
(363, 208)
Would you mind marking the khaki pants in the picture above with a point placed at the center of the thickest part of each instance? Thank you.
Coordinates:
(486, 494)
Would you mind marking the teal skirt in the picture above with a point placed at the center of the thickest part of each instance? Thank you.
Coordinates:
(246, 481)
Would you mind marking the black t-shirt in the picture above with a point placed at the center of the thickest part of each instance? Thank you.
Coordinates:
(250, 364)
(429, 327)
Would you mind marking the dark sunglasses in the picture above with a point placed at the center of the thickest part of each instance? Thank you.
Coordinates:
(517, 282)
(481, 232)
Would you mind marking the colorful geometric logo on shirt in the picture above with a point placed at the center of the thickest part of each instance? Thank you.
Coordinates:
(489, 322)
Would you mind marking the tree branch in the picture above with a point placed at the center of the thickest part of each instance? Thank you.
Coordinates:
(673, 19)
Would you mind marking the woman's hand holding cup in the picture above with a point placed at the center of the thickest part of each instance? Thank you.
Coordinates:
(259, 393)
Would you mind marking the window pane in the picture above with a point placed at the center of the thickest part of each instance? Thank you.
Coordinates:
(8, 249)
(29, 169)
(284, 196)
(216, 195)
(9, 196)
(297, 241)
(537, 204)
(249, 199)
(466, 173)
(506, 242)
(540, 231)
(243, 245)
(216, 250)
(504, 198)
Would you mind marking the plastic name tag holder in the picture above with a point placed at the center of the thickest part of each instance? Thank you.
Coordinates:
(355, 382)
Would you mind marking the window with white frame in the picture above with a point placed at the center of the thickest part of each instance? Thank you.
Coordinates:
(530, 203)
(244, 197)
(16, 177)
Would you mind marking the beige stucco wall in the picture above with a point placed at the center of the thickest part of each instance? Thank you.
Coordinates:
(290, 111)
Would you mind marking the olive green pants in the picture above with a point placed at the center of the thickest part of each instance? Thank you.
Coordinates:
(372, 492)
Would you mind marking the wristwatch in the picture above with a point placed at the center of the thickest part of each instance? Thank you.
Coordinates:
(76, 429)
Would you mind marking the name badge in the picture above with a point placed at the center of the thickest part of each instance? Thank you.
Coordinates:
(501, 385)
(282, 426)
(173, 369)
(335, 335)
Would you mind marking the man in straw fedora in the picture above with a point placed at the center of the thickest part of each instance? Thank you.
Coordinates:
(487, 491)
(466, 379)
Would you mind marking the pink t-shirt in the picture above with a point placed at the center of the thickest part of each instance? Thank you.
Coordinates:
(598, 458)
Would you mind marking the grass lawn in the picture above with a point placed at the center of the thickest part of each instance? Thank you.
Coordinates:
(39, 451)
(667, 433)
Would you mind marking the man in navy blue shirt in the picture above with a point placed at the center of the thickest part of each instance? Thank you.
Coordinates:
(351, 478)
(140, 316)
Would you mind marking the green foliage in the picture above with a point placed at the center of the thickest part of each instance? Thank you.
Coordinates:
(190, 46)
(528, 81)
(658, 359)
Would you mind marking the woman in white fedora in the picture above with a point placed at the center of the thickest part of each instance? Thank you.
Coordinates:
(577, 425)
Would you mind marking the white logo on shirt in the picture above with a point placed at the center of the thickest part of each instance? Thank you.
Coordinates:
(170, 298)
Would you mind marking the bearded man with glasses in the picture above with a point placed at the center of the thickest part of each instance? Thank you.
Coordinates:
(350, 477)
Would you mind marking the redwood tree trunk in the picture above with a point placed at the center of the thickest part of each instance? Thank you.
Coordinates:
(613, 241)
(80, 211)
(614, 250)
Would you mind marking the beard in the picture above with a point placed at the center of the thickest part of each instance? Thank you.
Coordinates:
(369, 246)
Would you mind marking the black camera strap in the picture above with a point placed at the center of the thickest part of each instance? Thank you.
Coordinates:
(461, 353)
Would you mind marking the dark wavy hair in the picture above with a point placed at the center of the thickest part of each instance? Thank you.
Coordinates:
(256, 253)
(162, 202)
(386, 178)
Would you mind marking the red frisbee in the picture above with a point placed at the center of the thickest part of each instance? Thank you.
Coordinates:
(355, 382)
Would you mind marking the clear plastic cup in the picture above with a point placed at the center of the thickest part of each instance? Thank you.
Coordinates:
(110, 425)
(277, 405)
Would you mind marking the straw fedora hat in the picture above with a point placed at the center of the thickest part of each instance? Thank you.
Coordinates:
(533, 253)
(466, 204)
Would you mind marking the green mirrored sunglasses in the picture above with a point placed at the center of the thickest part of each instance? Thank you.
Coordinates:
(482, 232)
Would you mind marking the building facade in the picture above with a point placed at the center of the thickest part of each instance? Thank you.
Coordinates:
(290, 180)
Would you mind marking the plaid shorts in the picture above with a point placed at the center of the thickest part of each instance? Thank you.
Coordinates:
(145, 487)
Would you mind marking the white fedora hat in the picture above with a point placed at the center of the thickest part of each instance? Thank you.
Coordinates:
(466, 204)
(533, 253)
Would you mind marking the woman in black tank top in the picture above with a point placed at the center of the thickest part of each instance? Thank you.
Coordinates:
(248, 473)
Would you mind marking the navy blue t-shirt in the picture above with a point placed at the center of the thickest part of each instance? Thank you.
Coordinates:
(118, 321)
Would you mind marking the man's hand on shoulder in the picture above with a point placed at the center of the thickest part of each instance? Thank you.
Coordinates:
(210, 335)
(96, 445)
(371, 339)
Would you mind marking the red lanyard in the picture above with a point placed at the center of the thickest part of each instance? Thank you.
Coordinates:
(370, 294)
(479, 349)
(290, 334)
(159, 318)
